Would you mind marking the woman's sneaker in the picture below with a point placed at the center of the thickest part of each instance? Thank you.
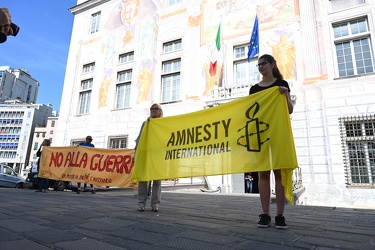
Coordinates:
(264, 220)
(280, 222)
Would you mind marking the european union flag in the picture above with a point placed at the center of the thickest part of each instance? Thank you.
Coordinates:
(254, 41)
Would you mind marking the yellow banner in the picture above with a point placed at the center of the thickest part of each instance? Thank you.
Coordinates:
(104, 167)
(249, 134)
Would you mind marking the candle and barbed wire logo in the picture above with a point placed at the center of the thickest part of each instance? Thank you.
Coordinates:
(254, 128)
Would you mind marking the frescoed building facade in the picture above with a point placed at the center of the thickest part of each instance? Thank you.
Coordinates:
(127, 54)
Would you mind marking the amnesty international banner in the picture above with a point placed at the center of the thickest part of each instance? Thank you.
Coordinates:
(249, 134)
(105, 167)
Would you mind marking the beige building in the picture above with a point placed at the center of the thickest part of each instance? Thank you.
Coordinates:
(126, 55)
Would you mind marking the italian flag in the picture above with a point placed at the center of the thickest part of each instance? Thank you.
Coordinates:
(216, 54)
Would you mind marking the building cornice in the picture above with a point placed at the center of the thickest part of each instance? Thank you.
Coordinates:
(86, 6)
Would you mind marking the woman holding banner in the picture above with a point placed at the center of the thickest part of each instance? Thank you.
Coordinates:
(271, 77)
(155, 112)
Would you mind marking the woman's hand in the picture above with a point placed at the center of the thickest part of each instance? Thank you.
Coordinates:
(283, 90)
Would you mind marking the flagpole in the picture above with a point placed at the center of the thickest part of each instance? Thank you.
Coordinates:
(224, 76)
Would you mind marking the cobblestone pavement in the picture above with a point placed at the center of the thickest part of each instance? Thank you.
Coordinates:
(186, 220)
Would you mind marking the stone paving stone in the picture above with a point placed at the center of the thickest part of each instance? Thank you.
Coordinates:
(50, 236)
(5, 216)
(88, 244)
(120, 222)
(18, 225)
(99, 226)
(66, 220)
(189, 223)
(6, 235)
(248, 244)
(84, 233)
(211, 237)
(130, 244)
(185, 221)
(158, 228)
(334, 243)
(35, 219)
(23, 244)
(181, 243)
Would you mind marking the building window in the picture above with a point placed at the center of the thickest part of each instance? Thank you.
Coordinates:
(172, 46)
(244, 72)
(95, 22)
(337, 5)
(127, 57)
(85, 96)
(44, 134)
(76, 142)
(358, 142)
(28, 94)
(36, 144)
(53, 124)
(87, 68)
(37, 134)
(173, 2)
(123, 88)
(51, 132)
(120, 141)
(353, 48)
(170, 88)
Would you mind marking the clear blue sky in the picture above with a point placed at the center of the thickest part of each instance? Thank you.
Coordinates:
(42, 44)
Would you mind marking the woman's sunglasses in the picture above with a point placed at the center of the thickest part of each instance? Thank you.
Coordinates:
(262, 64)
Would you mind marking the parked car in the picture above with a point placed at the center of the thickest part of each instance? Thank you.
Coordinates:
(9, 178)
(55, 184)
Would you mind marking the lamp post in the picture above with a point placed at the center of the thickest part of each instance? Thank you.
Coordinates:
(19, 163)
(20, 166)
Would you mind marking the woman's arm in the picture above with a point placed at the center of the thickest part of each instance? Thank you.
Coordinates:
(286, 91)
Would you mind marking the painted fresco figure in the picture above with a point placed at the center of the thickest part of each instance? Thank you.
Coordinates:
(155, 112)
(284, 52)
(271, 77)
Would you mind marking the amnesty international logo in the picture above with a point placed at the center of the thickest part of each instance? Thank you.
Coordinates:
(254, 128)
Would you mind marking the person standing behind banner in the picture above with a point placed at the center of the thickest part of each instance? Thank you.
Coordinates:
(249, 183)
(155, 112)
(87, 143)
(271, 77)
(43, 183)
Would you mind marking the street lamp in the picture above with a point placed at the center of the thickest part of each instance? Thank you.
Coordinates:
(19, 163)
(20, 166)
